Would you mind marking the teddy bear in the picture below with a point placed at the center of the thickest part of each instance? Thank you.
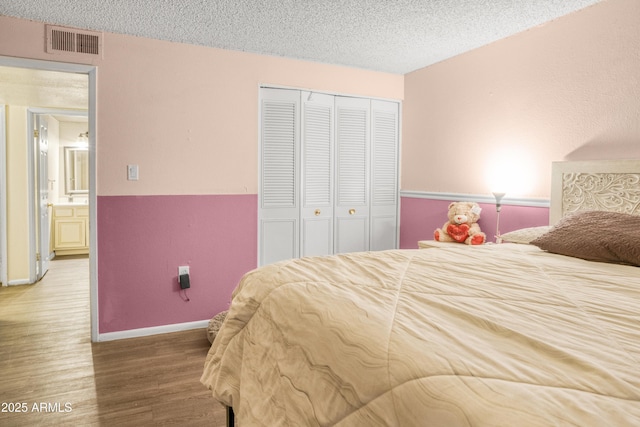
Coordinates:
(462, 226)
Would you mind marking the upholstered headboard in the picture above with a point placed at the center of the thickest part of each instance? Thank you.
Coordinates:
(605, 185)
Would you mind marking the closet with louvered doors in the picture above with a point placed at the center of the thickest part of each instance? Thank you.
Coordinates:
(328, 174)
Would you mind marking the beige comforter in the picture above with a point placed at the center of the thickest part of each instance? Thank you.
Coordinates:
(499, 335)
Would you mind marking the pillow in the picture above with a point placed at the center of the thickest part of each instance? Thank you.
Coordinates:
(595, 236)
(214, 325)
(525, 235)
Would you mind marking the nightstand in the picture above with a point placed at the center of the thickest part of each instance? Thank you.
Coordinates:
(426, 244)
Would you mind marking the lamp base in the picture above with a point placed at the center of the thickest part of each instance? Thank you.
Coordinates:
(498, 197)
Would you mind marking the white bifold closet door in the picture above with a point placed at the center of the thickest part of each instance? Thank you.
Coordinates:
(317, 170)
(352, 178)
(383, 210)
(328, 174)
(278, 197)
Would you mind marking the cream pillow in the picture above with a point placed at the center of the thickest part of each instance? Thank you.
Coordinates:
(525, 235)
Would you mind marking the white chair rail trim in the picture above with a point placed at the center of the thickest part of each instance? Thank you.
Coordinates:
(478, 198)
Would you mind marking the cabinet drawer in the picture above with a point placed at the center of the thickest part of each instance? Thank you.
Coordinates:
(63, 212)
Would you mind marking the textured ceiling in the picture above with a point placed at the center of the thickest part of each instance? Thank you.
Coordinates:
(396, 36)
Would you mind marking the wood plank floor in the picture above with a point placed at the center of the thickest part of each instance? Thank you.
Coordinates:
(50, 370)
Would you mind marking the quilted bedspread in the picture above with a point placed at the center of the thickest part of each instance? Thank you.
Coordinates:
(498, 335)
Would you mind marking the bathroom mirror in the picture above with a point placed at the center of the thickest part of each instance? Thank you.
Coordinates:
(76, 170)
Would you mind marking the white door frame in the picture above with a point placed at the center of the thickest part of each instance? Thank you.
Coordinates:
(91, 72)
(3, 196)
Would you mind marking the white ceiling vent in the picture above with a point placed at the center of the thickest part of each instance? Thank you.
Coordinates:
(73, 41)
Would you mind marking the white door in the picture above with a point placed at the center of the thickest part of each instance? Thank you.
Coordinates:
(316, 212)
(3, 197)
(352, 174)
(384, 175)
(278, 198)
(328, 174)
(42, 190)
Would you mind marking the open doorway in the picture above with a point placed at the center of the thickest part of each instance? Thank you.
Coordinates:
(33, 84)
(59, 190)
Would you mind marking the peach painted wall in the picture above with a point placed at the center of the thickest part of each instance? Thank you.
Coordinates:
(187, 115)
(567, 90)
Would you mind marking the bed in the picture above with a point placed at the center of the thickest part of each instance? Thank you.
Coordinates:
(544, 331)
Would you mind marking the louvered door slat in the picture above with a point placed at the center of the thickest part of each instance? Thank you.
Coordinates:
(278, 154)
(384, 146)
(352, 152)
(317, 155)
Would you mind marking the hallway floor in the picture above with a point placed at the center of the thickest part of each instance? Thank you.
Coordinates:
(51, 373)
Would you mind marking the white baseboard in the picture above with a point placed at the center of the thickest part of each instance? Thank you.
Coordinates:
(19, 282)
(154, 330)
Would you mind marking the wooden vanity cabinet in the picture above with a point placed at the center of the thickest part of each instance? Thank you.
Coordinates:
(70, 230)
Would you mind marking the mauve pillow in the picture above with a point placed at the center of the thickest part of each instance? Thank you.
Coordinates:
(595, 236)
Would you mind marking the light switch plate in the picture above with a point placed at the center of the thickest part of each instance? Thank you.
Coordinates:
(132, 172)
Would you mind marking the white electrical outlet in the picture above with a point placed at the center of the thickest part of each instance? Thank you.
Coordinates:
(183, 270)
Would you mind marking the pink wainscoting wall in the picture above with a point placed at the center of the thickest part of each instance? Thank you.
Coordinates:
(419, 217)
(143, 240)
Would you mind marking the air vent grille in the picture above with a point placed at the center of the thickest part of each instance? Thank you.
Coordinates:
(68, 40)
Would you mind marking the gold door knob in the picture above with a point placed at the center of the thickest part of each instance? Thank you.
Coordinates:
(317, 212)
(352, 211)
(49, 205)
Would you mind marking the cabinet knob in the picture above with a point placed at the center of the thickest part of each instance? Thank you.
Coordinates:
(352, 211)
(317, 212)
